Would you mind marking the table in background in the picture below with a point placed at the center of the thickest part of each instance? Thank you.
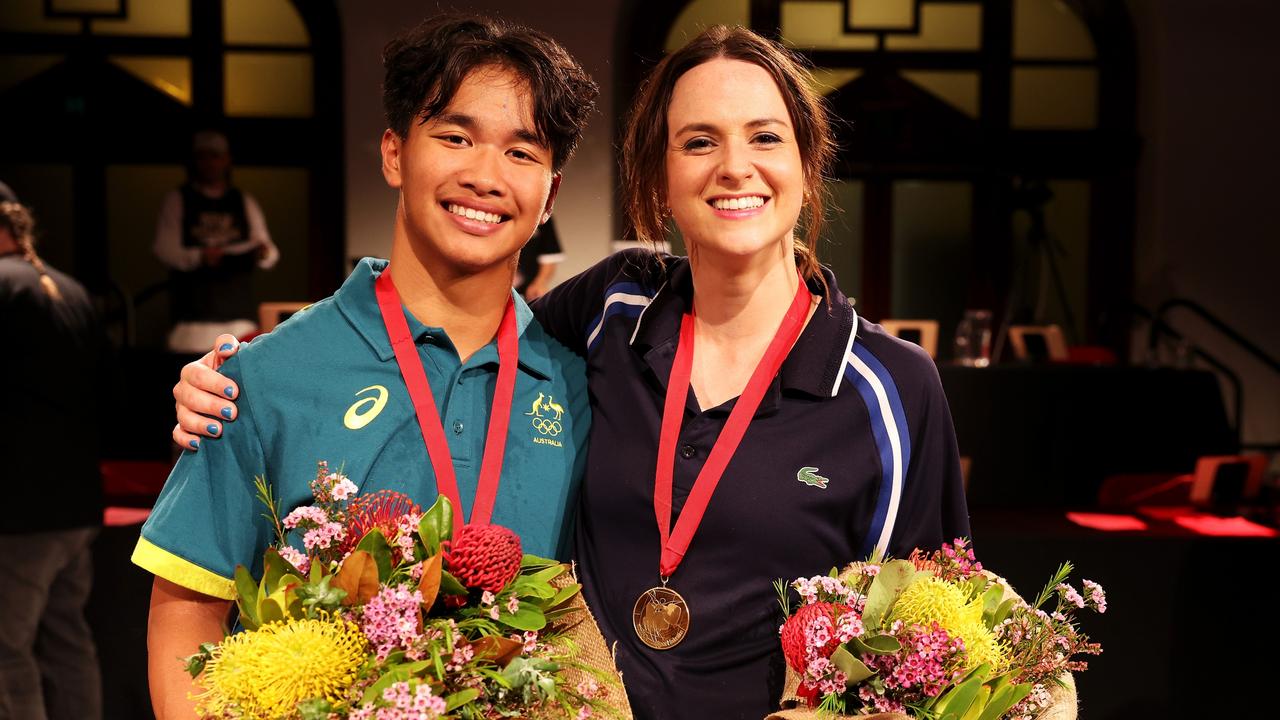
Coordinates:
(1186, 615)
(1047, 435)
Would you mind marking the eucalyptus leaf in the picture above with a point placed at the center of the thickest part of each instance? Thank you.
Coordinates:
(877, 644)
(855, 669)
(894, 577)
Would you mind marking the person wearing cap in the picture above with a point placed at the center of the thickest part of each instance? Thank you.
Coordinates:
(212, 236)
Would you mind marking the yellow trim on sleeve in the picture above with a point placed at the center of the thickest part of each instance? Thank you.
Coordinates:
(179, 571)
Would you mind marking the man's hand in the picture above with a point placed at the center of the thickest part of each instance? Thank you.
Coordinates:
(203, 397)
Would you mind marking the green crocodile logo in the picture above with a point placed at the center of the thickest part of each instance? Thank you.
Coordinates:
(809, 476)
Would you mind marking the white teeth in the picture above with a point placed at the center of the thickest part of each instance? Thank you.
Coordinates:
(742, 203)
(473, 214)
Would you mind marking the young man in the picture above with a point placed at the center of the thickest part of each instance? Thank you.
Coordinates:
(481, 119)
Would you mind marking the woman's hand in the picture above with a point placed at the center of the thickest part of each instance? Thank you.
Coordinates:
(203, 397)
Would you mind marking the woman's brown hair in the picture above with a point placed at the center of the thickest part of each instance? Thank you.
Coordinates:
(644, 145)
(17, 220)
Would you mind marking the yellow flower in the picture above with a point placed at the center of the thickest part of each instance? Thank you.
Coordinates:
(931, 600)
(267, 672)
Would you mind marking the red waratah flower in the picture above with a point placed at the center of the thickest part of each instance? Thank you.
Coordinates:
(484, 557)
(381, 511)
(794, 642)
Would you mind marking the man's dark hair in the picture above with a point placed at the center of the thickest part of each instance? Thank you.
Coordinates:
(425, 66)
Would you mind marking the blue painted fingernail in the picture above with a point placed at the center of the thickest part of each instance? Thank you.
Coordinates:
(213, 429)
(226, 413)
(195, 444)
(228, 391)
(225, 347)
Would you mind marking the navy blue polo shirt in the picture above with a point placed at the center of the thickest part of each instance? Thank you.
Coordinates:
(851, 450)
(325, 386)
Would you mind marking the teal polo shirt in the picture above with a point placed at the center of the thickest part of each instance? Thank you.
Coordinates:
(325, 386)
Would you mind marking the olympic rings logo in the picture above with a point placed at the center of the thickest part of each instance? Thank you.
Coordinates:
(547, 427)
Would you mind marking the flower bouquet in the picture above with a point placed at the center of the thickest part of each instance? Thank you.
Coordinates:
(933, 636)
(387, 614)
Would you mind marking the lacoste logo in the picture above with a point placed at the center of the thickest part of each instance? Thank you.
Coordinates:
(809, 476)
(362, 412)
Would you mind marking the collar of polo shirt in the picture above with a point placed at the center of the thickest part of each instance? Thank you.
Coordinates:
(357, 301)
(813, 366)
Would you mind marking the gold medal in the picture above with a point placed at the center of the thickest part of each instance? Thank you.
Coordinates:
(661, 618)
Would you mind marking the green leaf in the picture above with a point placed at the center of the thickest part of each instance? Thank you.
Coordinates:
(566, 594)
(247, 598)
(528, 617)
(436, 525)
(270, 611)
(460, 698)
(375, 543)
(314, 709)
(530, 587)
(956, 701)
(876, 644)
(1003, 699)
(275, 567)
(449, 584)
(195, 663)
(533, 561)
(1003, 611)
(991, 600)
(398, 673)
(850, 665)
(978, 704)
(894, 577)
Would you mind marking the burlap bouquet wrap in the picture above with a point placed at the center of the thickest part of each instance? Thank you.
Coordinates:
(1063, 706)
(590, 649)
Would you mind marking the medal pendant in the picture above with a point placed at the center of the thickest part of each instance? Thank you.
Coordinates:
(661, 618)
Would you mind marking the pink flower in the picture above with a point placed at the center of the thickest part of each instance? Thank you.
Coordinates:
(487, 598)
(589, 688)
(307, 513)
(871, 570)
(390, 619)
(584, 712)
(343, 488)
(1070, 594)
(295, 558)
(530, 641)
(513, 605)
(494, 613)
(1096, 595)
(323, 537)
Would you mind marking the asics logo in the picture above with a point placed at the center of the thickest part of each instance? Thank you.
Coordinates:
(363, 412)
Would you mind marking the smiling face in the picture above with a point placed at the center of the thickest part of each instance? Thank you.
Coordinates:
(474, 180)
(735, 181)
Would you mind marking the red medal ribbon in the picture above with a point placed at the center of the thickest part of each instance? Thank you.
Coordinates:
(675, 544)
(424, 404)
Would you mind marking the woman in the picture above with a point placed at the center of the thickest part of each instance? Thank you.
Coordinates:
(828, 438)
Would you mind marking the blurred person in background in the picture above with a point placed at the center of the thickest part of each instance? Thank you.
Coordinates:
(212, 236)
(538, 262)
(53, 492)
